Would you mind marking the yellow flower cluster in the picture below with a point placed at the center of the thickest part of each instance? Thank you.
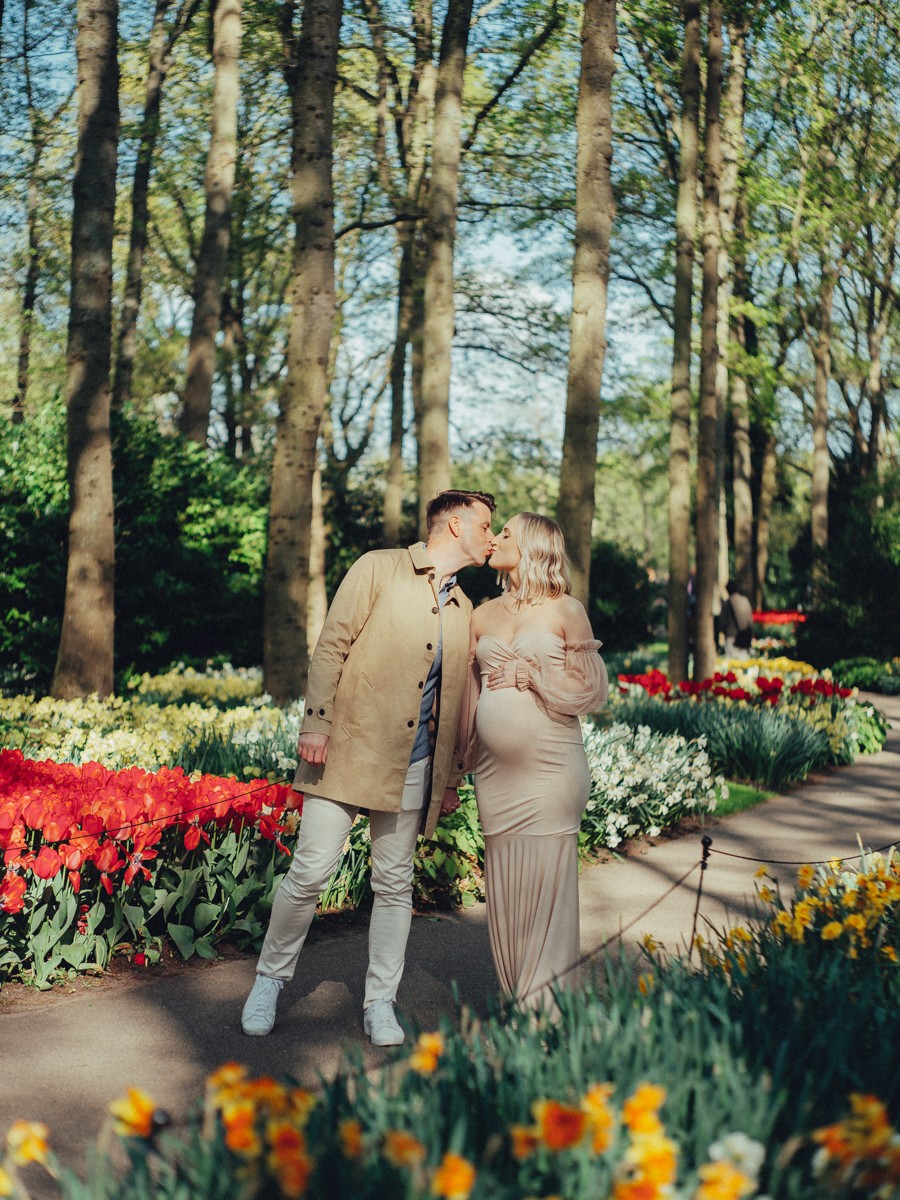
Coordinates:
(26, 1142)
(264, 1123)
(119, 731)
(856, 910)
(649, 1164)
(224, 686)
(861, 1154)
(789, 669)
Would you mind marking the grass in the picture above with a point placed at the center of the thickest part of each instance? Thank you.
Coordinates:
(741, 796)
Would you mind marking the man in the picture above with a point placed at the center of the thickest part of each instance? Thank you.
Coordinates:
(383, 699)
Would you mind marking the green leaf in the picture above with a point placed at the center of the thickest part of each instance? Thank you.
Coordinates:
(206, 915)
(183, 937)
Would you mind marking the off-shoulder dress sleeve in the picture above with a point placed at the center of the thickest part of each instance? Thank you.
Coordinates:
(580, 686)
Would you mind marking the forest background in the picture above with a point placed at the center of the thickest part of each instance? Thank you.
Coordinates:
(274, 272)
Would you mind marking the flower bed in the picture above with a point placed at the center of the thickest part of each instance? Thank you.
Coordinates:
(766, 1070)
(812, 721)
(99, 860)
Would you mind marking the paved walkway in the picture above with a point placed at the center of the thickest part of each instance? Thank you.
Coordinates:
(65, 1055)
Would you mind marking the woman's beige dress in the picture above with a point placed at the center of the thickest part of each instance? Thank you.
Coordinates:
(532, 783)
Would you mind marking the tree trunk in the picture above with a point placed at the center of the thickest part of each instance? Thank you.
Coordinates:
(440, 235)
(84, 663)
(764, 512)
(219, 185)
(393, 490)
(821, 465)
(32, 267)
(709, 419)
(594, 214)
(742, 460)
(311, 74)
(732, 327)
(158, 63)
(317, 597)
(680, 428)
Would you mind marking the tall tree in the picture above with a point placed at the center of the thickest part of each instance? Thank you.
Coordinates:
(84, 662)
(594, 213)
(440, 235)
(683, 303)
(159, 60)
(220, 169)
(311, 74)
(710, 414)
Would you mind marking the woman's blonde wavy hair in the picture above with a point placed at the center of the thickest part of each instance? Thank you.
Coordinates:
(544, 568)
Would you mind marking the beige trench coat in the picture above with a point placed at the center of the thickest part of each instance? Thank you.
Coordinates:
(366, 678)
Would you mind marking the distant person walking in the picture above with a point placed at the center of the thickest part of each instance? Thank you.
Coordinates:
(383, 701)
(737, 623)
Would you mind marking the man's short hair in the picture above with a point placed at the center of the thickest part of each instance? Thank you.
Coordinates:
(441, 506)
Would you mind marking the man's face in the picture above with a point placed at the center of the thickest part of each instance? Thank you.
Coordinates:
(475, 536)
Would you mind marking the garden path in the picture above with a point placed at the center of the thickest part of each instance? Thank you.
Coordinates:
(65, 1055)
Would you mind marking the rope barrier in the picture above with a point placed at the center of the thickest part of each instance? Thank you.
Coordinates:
(805, 862)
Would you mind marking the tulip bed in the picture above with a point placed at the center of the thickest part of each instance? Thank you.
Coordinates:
(100, 861)
(764, 1070)
(769, 721)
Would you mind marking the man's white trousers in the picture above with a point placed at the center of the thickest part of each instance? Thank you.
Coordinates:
(324, 827)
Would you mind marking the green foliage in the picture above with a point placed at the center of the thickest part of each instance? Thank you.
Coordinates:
(869, 674)
(190, 545)
(762, 1043)
(764, 745)
(860, 612)
(621, 597)
(224, 888)
(33, 532)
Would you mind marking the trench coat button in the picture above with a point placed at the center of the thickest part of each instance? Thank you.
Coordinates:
(309, 712)
(431, 577)
(421, 684)
(321, 712)
(428, 646)
(410, 724)
(434, 610)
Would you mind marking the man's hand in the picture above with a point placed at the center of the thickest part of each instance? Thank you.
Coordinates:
(450, 802)
(313, 748)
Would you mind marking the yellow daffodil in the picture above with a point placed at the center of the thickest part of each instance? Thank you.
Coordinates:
(723, 1181)
(27, 1142)
(133, 1115)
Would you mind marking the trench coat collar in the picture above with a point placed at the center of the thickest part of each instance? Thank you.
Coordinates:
(422, 564)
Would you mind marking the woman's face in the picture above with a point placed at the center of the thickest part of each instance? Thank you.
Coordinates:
(506, 554)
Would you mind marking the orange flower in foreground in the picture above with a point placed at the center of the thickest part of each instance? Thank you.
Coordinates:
(288, 1157)
(723, 1181)
(239, 1119)
(27, 1142)
(351, 1135)
(454, 1178)
(133, 1115)
(559, 1126)
(525, 1140)
(640, 1111)
(402, 1149)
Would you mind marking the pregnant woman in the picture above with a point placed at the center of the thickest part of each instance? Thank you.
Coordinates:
(535, 669)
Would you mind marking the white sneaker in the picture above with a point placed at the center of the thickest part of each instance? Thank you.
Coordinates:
(258, 1016)
(381, 1025)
